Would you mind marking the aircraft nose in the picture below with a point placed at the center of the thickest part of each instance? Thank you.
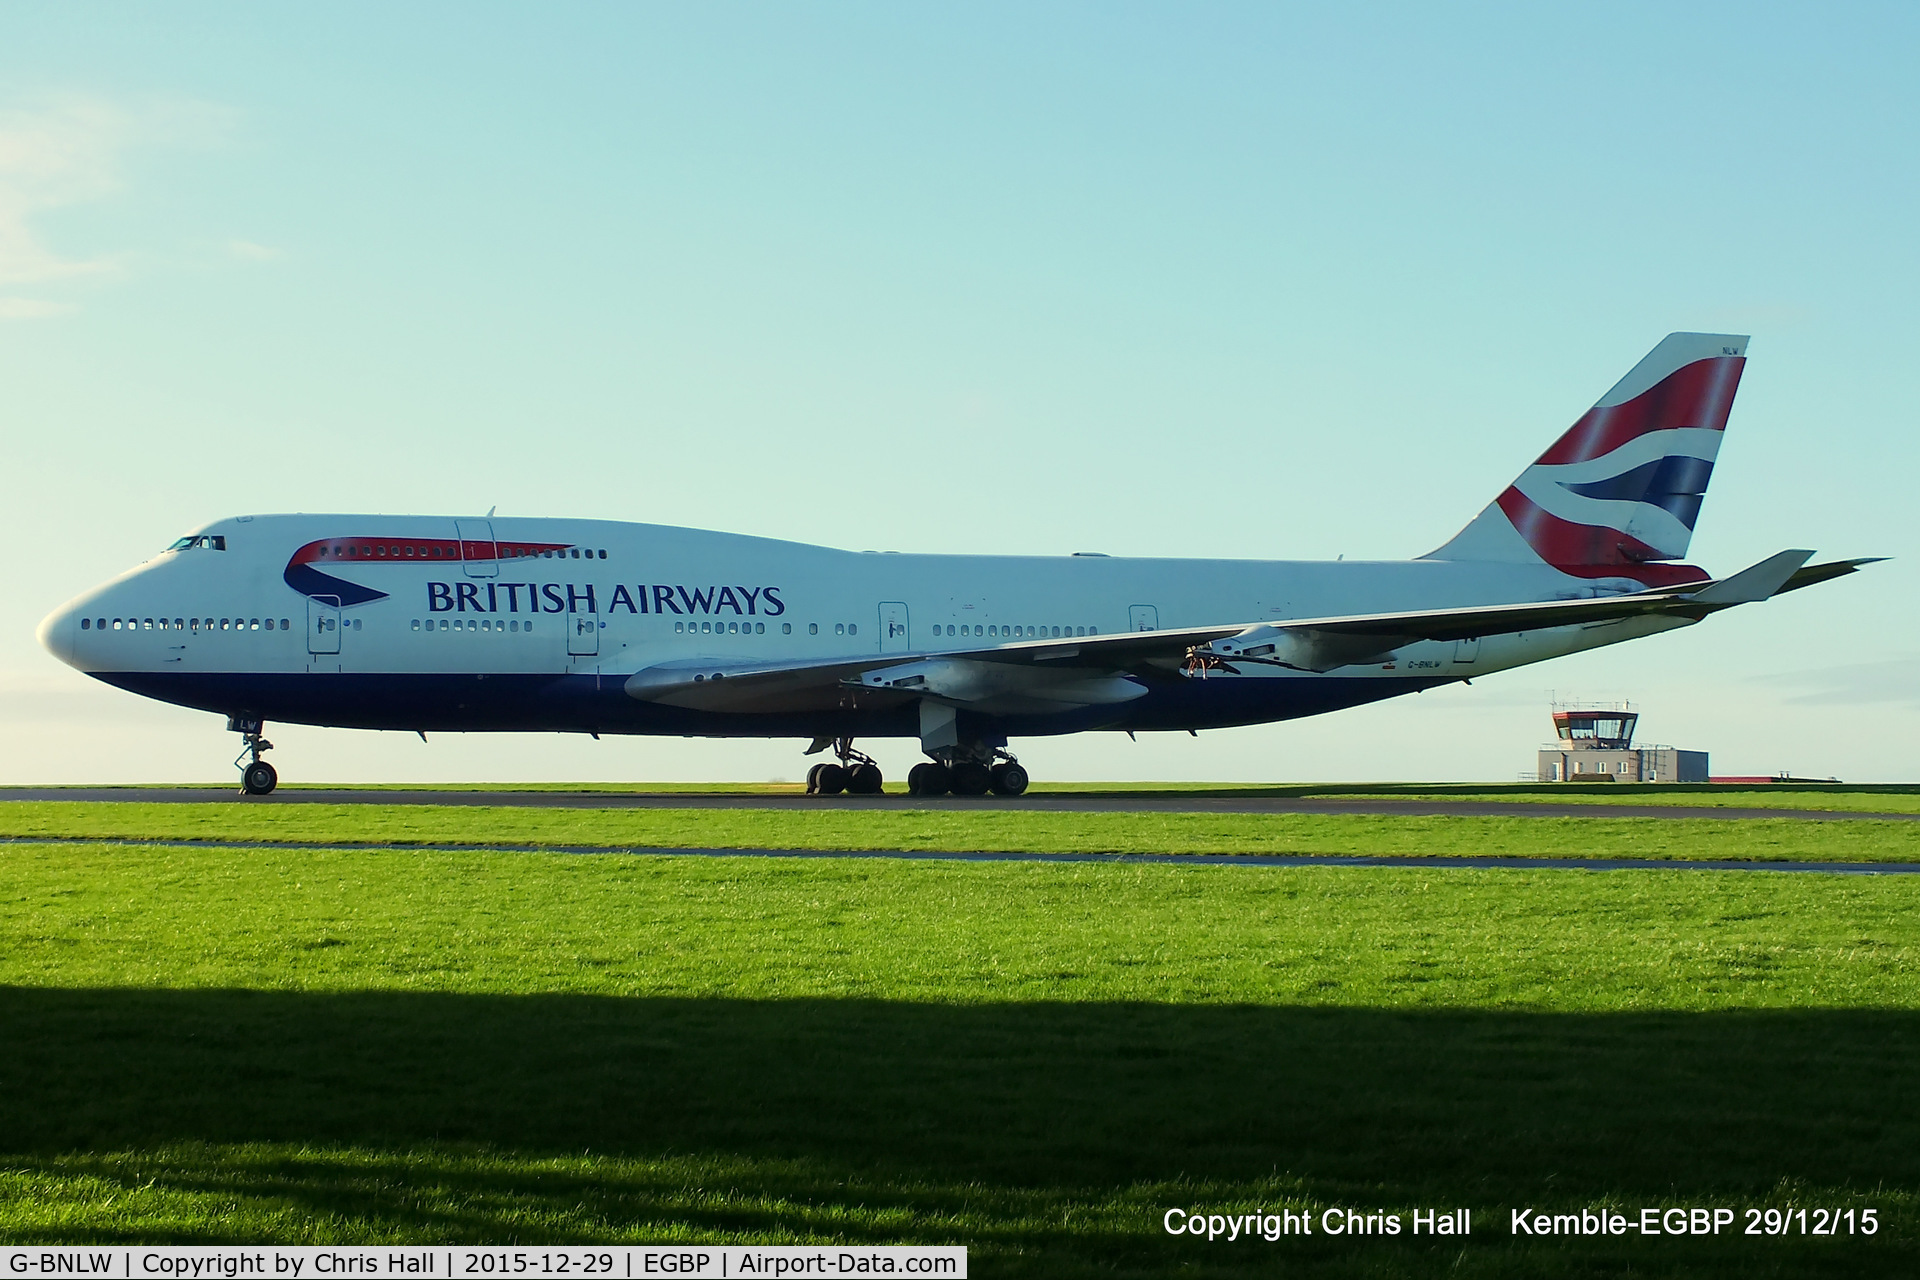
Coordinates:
(57, 633)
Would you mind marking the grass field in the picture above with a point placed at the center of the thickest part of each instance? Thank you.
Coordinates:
(836, 828)
(1832, 796)
(1034, 1060)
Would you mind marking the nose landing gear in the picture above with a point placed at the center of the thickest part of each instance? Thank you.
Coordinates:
(257, 777)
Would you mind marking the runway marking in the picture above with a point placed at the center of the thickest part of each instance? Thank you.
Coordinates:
(931, 855)
(1044, 803)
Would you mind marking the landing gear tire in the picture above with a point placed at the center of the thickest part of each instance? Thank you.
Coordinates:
(259, 778)
(1008, 779)
(929, 779)
(813, 778)
(971, 778)
(864, 779)
(830, 781)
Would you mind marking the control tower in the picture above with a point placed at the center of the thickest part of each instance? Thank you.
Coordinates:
(1596, 745)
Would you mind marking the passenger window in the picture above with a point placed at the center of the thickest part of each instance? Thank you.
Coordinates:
(759, 628)
(603, 555)
(678, 628)
(416, 624)
(813, 628)
(179, 624)
(86, 623)
(839, 629)
(786, 628)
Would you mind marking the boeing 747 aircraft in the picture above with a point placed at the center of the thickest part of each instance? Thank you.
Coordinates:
(426, 623)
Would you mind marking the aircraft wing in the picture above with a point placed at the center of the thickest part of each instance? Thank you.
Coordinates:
(1070, 673)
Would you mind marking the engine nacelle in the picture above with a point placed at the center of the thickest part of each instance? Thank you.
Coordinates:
(1304, 649)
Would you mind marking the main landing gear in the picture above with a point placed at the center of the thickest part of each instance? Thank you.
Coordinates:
(857, 774)
(257, 777)
(968, 771)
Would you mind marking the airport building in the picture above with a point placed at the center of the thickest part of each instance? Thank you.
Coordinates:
(1596, 745)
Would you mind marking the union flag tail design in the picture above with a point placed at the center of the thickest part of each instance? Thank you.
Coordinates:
(1617, 495)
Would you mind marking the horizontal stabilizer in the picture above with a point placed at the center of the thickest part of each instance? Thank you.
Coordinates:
(1815, 574)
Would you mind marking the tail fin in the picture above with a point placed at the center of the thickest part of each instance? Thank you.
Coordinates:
(1620, 491)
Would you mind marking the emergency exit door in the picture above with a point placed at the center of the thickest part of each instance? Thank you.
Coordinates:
(583, 634)
(893, 627)
(1143, 617)
(478, 550)
(323, 624)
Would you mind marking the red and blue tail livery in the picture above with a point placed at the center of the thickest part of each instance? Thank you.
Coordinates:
(516, 624)
(1617, 496)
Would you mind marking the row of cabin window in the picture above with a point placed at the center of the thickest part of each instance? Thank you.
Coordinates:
(853, 629)
(1010, 633)
(482, 624)
(408, 551)
(730, 628)
(185, 624)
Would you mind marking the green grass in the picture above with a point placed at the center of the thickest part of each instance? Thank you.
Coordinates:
(834, 827)
(1830, 796)
(1034, 1060)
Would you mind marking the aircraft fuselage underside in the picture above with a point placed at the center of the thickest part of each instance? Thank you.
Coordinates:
(597, 704)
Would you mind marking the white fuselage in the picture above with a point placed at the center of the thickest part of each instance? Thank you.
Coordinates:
(418, 622)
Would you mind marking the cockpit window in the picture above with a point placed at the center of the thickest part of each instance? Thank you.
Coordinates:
(209, 541)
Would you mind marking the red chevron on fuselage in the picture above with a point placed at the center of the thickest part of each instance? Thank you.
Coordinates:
(304, 575)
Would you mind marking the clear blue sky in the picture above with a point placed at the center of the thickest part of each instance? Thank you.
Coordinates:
(1252, 280)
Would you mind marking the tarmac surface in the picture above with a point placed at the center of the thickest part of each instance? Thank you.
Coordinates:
(1044, 802)
(923, 855)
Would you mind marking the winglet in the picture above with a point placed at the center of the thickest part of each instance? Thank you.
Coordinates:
(1758, 582)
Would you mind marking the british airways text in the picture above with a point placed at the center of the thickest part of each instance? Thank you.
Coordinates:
(551, 597)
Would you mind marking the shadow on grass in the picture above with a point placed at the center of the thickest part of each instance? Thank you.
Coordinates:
(1036, 1129)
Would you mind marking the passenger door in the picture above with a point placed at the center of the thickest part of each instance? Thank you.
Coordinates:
(323, 624)
(894, 637)
(583, 634)
(1143, 617)
(478, 550)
